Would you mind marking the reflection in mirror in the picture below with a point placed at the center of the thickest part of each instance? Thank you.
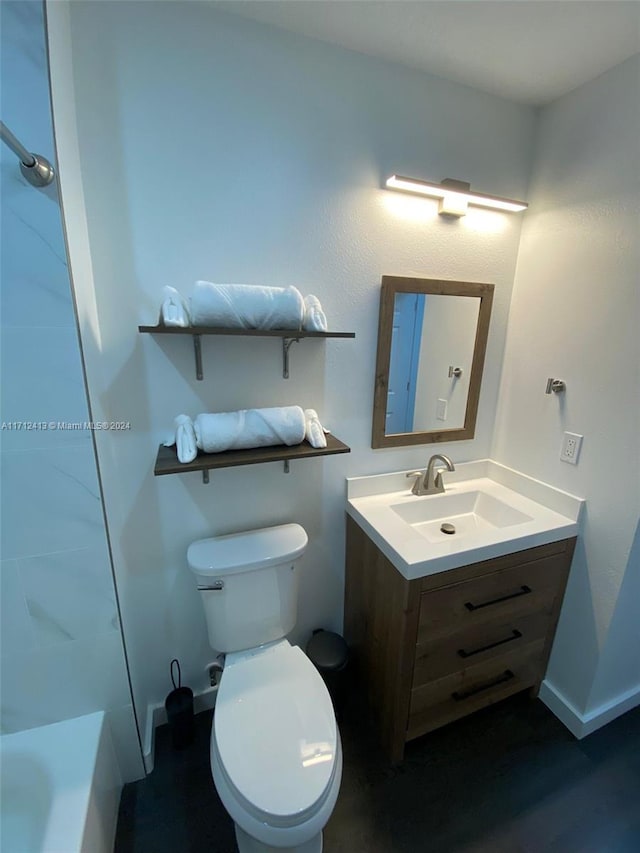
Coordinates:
(431, 344)
(431, 354)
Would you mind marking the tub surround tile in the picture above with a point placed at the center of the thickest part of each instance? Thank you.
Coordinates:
(66, 680)
(23, 51)
(16, 630)
(42, 234)
(82, 676)
(34, 269)
(70, 594)
(62, 656)
(51, 501)
(22, 703)
(42, 390)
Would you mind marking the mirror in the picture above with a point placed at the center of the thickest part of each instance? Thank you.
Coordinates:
(432, 339)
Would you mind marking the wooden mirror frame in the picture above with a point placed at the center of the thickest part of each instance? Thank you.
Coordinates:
(400, 284)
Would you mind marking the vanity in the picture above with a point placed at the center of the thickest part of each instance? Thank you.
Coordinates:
(442, 624)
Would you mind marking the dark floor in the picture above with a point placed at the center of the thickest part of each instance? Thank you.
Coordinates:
(509, 779)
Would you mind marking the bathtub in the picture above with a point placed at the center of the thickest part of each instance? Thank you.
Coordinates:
(60, 788)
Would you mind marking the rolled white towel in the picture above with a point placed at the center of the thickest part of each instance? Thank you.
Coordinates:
(246, 306)
(174, 311)
(249, 428)
(184, 438)
(314, 317)
(314, 431)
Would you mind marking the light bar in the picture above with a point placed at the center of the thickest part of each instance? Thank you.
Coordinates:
(454, 195)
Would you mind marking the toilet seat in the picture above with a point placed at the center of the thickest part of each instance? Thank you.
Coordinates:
(274, 735)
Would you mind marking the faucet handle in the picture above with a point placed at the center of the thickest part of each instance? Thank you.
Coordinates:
(416, 474)
(437, 480)
(416, 489)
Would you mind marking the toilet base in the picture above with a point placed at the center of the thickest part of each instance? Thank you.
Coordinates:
(247, 844)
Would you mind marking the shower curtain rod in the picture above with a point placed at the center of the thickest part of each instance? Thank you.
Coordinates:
(37, 170)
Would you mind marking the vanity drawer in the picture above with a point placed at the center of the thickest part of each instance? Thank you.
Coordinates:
(439, 702)
(458, 651)
(528, 587)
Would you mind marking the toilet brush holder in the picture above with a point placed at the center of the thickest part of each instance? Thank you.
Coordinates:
(179, 708)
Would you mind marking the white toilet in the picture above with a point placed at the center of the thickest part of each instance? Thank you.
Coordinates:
(276, 756)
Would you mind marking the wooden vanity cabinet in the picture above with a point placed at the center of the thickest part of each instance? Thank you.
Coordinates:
(432, 650)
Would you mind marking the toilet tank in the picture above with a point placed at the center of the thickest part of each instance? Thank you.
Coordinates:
(249, 584)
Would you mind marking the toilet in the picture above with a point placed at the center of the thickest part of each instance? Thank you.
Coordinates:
(276, 756)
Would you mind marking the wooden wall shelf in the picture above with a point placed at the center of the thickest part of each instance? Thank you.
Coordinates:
(167, 460)
(288, 337)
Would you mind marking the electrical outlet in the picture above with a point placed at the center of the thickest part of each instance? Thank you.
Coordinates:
(571, 444)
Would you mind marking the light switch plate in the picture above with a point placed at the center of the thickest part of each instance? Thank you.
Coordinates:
(571, 444)
(441, 409)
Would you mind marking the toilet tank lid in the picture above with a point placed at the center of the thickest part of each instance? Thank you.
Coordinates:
(246, 551)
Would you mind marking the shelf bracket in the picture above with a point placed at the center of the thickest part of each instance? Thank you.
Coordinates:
(205, 476)
(197, 349)
(286, 344)
(286, 466)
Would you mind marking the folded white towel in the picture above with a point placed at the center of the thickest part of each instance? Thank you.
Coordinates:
(314, 431)
(314, 317)
(249, 428)
(174, 311)
(246, 306)
(184, 438)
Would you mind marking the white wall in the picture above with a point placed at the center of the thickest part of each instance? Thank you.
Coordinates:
(213, 147)
(574, 316)
(62, 652)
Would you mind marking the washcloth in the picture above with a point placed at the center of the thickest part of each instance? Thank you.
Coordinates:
(249, 428)
(314, 431)
(174, 311)
(314, 317)
(246, 306)
(184, 438)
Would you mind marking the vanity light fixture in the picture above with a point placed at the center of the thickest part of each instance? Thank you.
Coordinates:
(454, 195)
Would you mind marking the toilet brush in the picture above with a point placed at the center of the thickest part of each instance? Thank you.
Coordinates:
(179, 708)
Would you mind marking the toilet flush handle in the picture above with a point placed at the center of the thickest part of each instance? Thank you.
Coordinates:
(214, 586)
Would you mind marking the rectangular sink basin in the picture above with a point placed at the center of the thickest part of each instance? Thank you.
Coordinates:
(467, 512)
(493, 509)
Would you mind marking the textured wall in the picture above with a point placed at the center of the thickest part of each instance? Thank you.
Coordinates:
(574, 316)
(228, 150)
(62, 653)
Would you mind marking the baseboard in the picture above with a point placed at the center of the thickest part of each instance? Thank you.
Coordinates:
(562, 708)
(604, 714)
(580, 725)
(157, 716)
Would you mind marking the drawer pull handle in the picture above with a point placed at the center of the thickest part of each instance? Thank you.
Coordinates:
(515, 635)
(524, 590)
(507, 675)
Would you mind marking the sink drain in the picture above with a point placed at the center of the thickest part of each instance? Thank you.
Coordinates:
(448, 528)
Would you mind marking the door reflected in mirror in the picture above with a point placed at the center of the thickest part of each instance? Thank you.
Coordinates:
(432, 339)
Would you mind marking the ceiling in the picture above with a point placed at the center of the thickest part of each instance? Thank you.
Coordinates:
(530, 51)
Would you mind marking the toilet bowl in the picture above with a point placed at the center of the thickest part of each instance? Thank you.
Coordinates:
(276, 756)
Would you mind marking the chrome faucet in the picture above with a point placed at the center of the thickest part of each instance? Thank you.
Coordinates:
(430, 482)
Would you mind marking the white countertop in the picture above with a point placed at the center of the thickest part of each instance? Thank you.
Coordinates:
(373, 502)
